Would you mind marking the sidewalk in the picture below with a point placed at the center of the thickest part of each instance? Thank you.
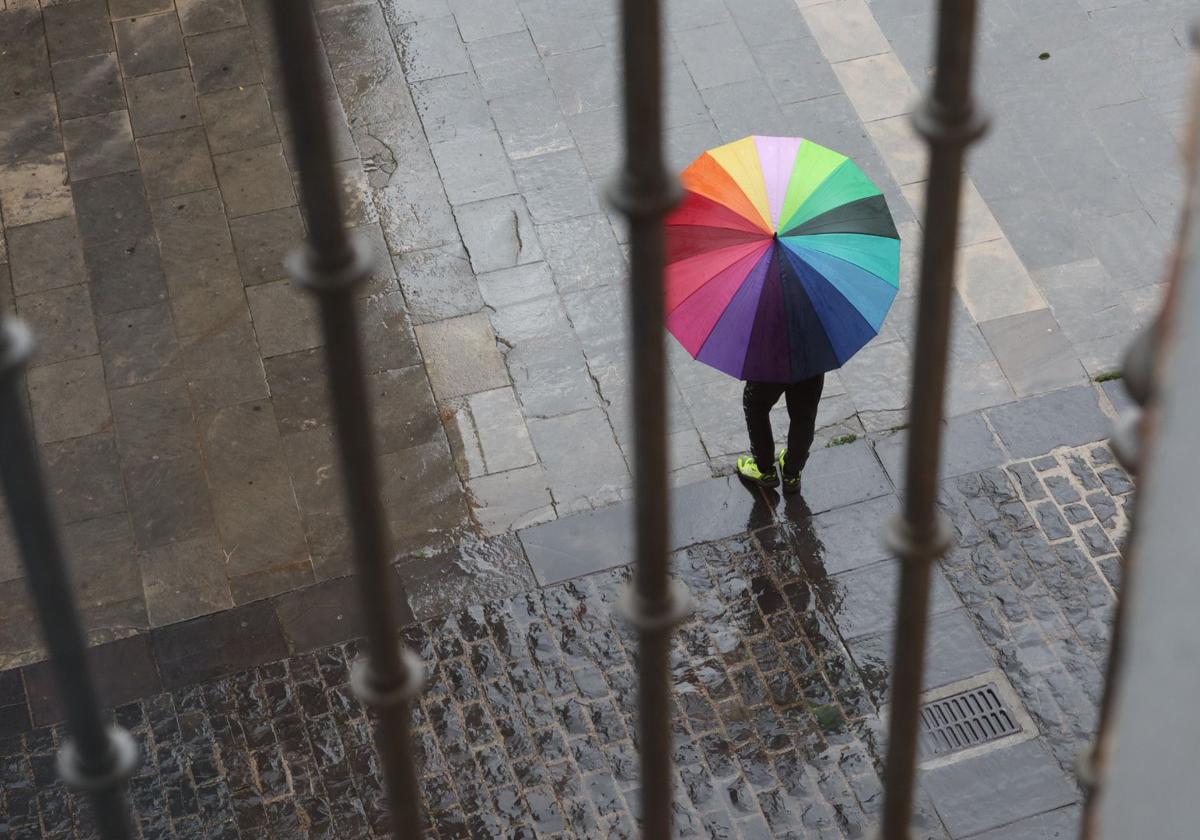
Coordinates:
(146, 196)
(527, 724)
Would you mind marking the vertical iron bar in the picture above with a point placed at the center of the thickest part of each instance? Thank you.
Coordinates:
(948, 121)
(97, 759)
(331, 266)
(644, 193)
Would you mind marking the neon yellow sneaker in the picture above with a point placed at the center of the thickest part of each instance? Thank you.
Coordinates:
(790, 485)
(748, 469)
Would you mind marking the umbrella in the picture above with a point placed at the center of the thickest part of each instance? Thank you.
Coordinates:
(782, 259)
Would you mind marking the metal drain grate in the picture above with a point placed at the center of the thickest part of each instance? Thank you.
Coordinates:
(966, 719)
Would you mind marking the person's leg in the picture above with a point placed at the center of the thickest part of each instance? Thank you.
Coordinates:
(803, 398)
(757, 401)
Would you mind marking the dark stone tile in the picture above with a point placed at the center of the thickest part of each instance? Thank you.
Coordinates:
(119, 9)
(419, 524)
(329, 613)
(87, 86)
(176, 163)
(102, 559)
(954, 651)
(224, 59)
(1063, 823)
(388, 339)
(238, 118)
(124, 275)
(341, 139)
(162, 102)
(138, 345)
(111, 209)
(83, 477)
(28, 131)
(602, 539)
(977, 794)
(852, 536)
(1036, 425)
(968, 445)
(285, 318)
(198, 16)
(469, 573)
(160, 457)
(254, 180)
(61, 321)
(251, 492)
(383, 278)
(99, 145)
(438, 283)
(199, 264)
(271, 581)
(223, 366)
(838, 476)
(1033, 352)
(354, 33)
(24, 61)
(45, 255)
(432, 48)
(14, 711)
(316, 477)
(863, 602)
(184, 579)
(74, 30)
(262, 242)
(402, 404)
(122, 671)
(69, 399)
(1117, 394)
(20, 636)
(150, 44)
(205, 648)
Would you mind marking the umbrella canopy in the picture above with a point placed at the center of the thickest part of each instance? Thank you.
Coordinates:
(782, 259)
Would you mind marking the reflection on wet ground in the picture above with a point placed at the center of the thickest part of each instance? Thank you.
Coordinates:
(528, 725)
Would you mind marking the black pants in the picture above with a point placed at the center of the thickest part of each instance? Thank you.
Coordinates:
(802, 399)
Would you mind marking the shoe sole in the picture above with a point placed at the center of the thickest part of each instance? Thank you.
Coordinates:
(769, 484)
(791, 489)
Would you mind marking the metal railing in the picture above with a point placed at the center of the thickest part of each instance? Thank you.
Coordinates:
(948, 121)
(330, 266)
(655, 603)
(95, 759)
(98, 759)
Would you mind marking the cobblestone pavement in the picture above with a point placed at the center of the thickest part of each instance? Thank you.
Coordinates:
(527, 726)
(147, 195)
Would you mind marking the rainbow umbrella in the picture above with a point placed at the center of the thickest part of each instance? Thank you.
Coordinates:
(782, 259)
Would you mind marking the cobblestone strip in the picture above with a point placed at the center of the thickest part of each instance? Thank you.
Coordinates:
(527, 726)
(1037, 566)
(526, 729)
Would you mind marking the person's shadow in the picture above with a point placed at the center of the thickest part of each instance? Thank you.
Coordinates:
(794, 532)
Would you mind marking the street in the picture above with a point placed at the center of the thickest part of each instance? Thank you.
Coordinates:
(148, 194)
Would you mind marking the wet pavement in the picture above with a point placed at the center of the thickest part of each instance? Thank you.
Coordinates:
(527, 726)
(147, 198)
(146, 201)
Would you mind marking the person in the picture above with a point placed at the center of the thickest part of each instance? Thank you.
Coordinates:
(757, 401)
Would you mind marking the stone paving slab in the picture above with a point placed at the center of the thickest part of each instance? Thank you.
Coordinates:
(147, 198)
(474, 150)
(527, 727)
